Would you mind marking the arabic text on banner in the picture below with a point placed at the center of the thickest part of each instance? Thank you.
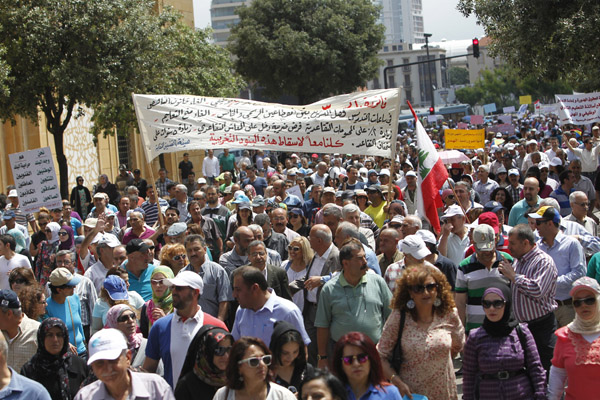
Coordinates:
(35, 179)
(502, 128)
(465, 139)
(358, 123)
(578, 109)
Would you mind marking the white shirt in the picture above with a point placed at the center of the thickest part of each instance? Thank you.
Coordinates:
(318, 180)
(18, 260)
(182, 334)
(97, 274)
(316, 270)
(210, 167)
(456, 247)
(290, 234)
(589, 159)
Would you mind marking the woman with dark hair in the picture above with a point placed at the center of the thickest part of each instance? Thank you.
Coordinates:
(105, 186)
(66, 238)
(243, 217)
(47, 251)
(21, 277)
(322, 384)
(204, 367)
(357, 364)
(362, 200)
(247, 374)
(501, 360)
(81, 198)
(33, 302)
(502, 196)
(289, 356)
(59, 371)
(425, 321)
(298, 222)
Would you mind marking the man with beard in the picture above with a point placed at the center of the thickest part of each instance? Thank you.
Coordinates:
(518, 213)
(180, 325)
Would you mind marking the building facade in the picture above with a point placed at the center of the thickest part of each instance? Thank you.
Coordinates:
(403, 21)
(477, 65)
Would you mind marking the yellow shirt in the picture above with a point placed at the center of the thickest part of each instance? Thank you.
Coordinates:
(377, 213)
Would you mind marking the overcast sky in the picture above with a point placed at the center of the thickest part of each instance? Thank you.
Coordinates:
(442, 20)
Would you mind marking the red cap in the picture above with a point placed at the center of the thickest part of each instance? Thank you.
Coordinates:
(491, 219)
(456, 165)
(315, 155)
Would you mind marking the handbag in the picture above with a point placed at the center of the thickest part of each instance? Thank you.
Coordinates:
(396, 356)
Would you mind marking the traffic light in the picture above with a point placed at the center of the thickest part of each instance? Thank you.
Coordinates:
(476, 48)
(431, 111)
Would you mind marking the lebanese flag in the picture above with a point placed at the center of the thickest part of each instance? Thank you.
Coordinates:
(431, 176)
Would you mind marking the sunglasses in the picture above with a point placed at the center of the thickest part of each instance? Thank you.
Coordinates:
(63, 234)
(126, 318)
(588, 301)
(361, 358)
(221, 351)
(497, 304)
(396, 226)
(179, 257)
(293, 248)
(538, 222)
(19, 281)
(156, 281)
(294, 215)
(430, 287)
(255, 361)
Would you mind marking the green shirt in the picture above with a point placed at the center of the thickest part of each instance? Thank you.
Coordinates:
(345, 308)
(227, 163)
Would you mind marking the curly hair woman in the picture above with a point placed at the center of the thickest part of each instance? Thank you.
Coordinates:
(425, 320)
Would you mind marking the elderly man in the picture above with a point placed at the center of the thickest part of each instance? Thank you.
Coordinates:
(351, 213)
(410, 225)
(568, 256)
(260, 307)
(104, 251)
(170, 336)
(338, 313)
(584, 184)
(181, 201)
(274, 258)
(276, 277)
(346, 230)
(216, 294)
(139, 268)
(139, 230)
(579, 212)
(237, 256)
(320, 175)
(19, 331)
(110, 360)
(279, 219)
(533, 284)
(14, 386)
(454, 239)
(518, 214)
(10, 222)
(21, 217)
(388, 245)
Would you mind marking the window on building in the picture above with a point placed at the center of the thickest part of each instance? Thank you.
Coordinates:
(408, 93)
(376, 84)
(386, 49)
(407, 80)
(391, 81)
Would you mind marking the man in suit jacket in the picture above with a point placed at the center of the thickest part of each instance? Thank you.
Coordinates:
(276, 277)
(325, 262)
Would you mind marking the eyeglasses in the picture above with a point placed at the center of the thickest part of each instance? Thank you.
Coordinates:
(361, 358)
(588, 302)
(430, 287)
(221, 351)
(48, 231)
(294, 215)
(293, 248)
(126, 317)
(497, 304)
(255, 361)
(63, 262)
(586, 205)
(180, 257)
(538, 222)
(63, 234)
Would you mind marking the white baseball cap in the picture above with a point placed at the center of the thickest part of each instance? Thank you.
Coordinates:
(452, 211)
(186, 278)
(415, 246)
(106, 344)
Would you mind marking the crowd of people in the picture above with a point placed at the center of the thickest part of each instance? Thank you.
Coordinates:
(283, 276)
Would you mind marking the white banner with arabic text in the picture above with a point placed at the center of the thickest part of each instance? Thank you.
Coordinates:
(578, 109)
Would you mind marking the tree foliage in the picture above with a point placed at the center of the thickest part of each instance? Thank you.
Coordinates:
(97, 53)
(458, 76)
(504, 85)
(545, 39)
(307, 48)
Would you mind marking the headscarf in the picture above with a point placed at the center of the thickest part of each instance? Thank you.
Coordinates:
(105, 180)
(200, 355)
(46, 364)
(19, 238)
(582, 326)
(78, 185)
(69, 243)
(134, 340)
(508, 322)
(54, 228)
(165, 302)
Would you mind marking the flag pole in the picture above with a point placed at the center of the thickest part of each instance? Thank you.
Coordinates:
(393, 153)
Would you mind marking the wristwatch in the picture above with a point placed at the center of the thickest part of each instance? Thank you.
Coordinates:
(320, 357)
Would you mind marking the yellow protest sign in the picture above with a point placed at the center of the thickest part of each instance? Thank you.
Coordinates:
(465, 138)
(525, 99)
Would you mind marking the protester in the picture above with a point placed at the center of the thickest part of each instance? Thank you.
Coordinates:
(321, 384)
(123, 318)
(161, 302)
(33, 302)
(289, 365)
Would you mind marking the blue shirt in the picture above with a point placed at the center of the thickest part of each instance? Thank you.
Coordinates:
(390, 392)
(62, 311)
(517, 212)
(23, 388)
(142, 284)
(159, 345)
(563, 200)
(568, 256)
(260, 323)
(291, 201)
(259, 185)
(372, 259)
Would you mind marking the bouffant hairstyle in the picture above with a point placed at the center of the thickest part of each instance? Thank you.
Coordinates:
(169, 251)
(30, 297)
(232, 373)
(417, 276)
(22, 273)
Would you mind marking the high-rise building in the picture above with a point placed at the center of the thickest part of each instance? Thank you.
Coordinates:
(403, 21)
(223, 16)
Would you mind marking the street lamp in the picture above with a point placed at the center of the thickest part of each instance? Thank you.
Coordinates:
(427, 36)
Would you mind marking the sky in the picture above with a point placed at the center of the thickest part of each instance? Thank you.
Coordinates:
(441, 17)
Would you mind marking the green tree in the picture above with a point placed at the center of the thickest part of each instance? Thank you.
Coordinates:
(458, 76)
(67, 52)
(547, 40)
(307, 48)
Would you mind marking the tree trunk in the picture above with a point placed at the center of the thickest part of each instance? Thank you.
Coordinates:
(63, 167)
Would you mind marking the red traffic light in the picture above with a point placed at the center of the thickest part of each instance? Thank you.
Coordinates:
(476, 41)
(476, 48)
(431, 111)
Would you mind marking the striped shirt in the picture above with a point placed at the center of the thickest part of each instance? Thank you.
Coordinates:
(20, 217)
(535, 285)
(563, 200)
(515, 192)
(473, 278)
(151, 211)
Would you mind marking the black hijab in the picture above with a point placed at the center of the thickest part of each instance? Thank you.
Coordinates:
(508, 322)
(47, 364)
